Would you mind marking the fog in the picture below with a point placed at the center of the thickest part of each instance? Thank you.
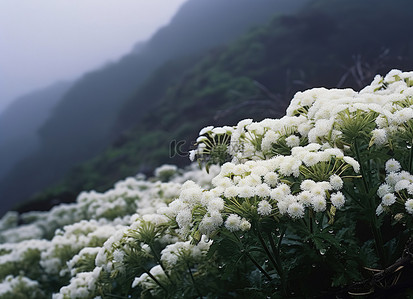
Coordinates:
(45, 41)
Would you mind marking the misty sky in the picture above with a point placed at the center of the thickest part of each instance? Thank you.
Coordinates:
(43, 41)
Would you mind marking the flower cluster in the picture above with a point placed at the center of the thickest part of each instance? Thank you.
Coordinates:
(283, 201)
(20, 287)
(78, 232)
(310, 177)
(397, 189)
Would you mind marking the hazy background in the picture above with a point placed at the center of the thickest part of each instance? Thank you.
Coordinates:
(44, 41)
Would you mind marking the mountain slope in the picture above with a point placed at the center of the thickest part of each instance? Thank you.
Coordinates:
(82, 123)
(20, 122)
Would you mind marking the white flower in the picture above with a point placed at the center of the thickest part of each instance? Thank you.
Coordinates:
(233, 222)
(227, 169)
(231, 192)
(269, 138)
(322, 128)
(192, 155)
(334, 152)
(307, 185)
(299, 152)
(290, 166)
(409, 206)
(259, 170)
(191, 195)
(271, 178)
(256, 128)
(207, 196)
(282, 207)
(201, 139)
(253, 180)
(184, 218)
(400, 185)
(295, 210)
(311, 159)
(219, 131)
(221, 181)
(206, 130)
(379, 136)
(243, 123)
(352, 162)
(410, 189)
(305, 198)
(405, 175)
(217, 192)
(317, 190)
(379, 210)
(392, 166)
(388, 199)
(336, 182)
(284, 188)
(381, 121)
(292, 141)
(217, 204)
(244, 225)
(312, 147)
(304, 128)
(392, 178)
(325, 185)
(277, 194)
(246, 192)
(165, 169)
(210, 223)
(118, 256)
(337, 199)
(240, 169)
(264, 208)
(319, 203)
(262, 190)
(403, 115)
(383, 190)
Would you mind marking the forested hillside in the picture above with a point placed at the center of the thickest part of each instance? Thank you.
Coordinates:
(20, 122)
(83, 122)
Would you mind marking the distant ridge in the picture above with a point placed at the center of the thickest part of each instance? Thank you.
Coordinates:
(82, 123)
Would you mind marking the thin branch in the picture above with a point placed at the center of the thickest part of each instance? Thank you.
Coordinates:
(378, 280)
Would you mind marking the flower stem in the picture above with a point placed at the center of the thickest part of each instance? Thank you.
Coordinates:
(363, 173)
(261, 269)
(193, 280)
(156, 281)
(276, 251)
(159, 261)
(267, 251)
(378, 239)
(258, 266)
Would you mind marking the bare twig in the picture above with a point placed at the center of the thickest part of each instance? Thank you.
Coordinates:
(382, 279)
(361, 71)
